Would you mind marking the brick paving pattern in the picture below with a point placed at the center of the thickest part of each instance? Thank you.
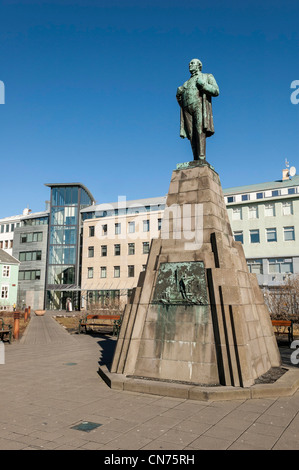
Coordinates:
(49, 384)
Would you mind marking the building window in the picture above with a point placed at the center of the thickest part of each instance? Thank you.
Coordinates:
(30, 255)
(269, 210)
(271, 235)
(145, 248)
(4, 292)
(116, 271)
(131, 227)
(245, 197)
(104, 229)
(280, 265)
(131, 248)
(32, 275)
(287, 208)
(117, 249)
(252, 212)
(117, 229)
(6, 271)
(237, 213)
(91, 230)
(146, 225)
(255, 266)
(37, 221)
(2, 228)
(292, 191)
(143, 267)
(90, 251)
(31, 237)
(103, 250)
(90, 273)
(238, 236)
(103, 272)
(254, 236)
(7, 228)
(159, 224)
(230, 199)
(289, 233)
(259, 195)
(276, 193)
(131, 271)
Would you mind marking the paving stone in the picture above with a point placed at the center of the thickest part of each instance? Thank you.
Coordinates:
(42, 398)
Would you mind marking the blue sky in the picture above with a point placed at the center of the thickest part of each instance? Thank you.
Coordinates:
(90, 93)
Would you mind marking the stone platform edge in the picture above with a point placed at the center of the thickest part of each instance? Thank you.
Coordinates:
(286, 385)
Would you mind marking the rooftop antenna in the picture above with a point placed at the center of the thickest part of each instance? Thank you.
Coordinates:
(291, 171)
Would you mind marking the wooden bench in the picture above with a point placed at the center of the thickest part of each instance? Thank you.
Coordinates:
(89, 321)
(284, 327)
(5, 331)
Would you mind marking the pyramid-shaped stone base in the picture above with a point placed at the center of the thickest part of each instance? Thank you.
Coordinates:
(197, 315)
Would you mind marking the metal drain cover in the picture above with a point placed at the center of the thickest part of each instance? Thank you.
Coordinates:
(86, 426)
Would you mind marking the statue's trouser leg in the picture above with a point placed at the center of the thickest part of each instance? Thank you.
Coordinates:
(191, 131)
(198, 136)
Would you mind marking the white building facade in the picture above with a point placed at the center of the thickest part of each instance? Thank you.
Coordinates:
(265, 219)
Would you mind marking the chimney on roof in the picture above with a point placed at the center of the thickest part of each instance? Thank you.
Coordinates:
(285, 174)
(26, 211)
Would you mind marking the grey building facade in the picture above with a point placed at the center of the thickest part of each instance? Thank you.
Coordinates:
(30, 248)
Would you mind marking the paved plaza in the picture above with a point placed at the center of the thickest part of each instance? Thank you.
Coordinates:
(53, 398)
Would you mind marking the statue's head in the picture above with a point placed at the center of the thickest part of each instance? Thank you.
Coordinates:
(194, 65)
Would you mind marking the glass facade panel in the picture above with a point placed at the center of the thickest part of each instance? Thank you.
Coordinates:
(60, 254)
(85, 199)
(63, 244)
(61, 275)
(70, 215)
(57, 216)
(68, 196)
(69, 236)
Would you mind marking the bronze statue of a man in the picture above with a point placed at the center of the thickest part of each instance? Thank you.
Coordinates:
(195, 100)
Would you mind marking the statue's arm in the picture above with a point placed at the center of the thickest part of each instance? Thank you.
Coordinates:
(210, 86)
(179, 94)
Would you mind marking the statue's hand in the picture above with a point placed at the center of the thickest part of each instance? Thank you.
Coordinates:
(200, 81)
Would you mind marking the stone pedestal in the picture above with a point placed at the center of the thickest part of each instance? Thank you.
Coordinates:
(197, 315)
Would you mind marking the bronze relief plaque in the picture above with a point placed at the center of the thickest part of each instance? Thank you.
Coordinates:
(181, 283)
